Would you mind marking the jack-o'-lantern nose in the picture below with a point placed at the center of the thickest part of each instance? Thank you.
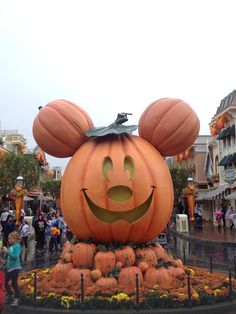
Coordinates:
(119, 193)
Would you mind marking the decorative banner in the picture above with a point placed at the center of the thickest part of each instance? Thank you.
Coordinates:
(213, 129)
(218, 125)
(220, 122)
(190, 192)
(19, 192)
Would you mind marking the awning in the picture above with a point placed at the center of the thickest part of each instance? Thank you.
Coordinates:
(226, 132)
(27, 198)
(201, 195)
(222, 162)
(214, 192)
(227, 160)
(231, 196)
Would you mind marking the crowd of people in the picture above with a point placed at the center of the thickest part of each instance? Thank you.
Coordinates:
(225, 216)
(50, 233)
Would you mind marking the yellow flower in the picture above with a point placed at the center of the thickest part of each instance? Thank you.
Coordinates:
(120, 297)
(163, 295)
(181, 296)
(46, 270)
(38, 298)
(51, 294)
(191, 271)
(31, 288)
(216, 291)
(195, 295)
(66, 301)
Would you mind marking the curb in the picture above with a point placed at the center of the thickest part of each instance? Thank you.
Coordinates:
(218, 308)
(196, 239)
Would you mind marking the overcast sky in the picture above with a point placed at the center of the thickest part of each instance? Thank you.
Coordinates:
(111, 56)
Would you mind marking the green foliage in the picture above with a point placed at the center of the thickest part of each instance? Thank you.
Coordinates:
(51, 186)
(11, 166)
(180, 179)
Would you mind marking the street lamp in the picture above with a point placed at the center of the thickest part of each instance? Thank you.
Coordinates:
(19, 193)
(190, 192)
(19, 181)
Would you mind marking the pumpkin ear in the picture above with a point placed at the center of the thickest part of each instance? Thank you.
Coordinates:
(59, 128)
(170, 125)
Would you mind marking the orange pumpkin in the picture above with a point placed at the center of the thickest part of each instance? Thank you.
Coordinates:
(178, 263)
(159, 251)
(160, 276)
(106, 283)
(119, 265)
(67, 248)
(105, 261)
(146, 255)
(169, 124)
(74, 277)
(143, 266)
(59, 128)
(125, 255)
(126, 191)
(127, 276)
(83, 254)
(68, 257)
(96, 274)
(60, 271)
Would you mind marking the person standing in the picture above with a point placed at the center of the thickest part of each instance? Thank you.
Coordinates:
(13, 267)
(10, 226)
(24, 233)
(53, 242)
(39, 225)
(228, 217)
(3, 218)
(223, 213)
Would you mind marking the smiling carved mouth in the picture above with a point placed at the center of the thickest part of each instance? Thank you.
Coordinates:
(111, 216)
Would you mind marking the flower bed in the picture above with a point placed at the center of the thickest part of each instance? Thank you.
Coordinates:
(162, 281)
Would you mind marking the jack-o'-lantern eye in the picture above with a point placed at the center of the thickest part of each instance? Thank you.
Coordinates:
(129, 166)
(107, 167)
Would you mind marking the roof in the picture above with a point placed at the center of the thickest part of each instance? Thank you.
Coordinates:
(231, 196)
(228, 101)
(209, 194)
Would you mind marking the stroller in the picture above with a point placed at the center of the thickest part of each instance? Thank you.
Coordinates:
(197, 221)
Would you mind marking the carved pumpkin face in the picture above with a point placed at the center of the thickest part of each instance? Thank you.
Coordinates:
(117, 189)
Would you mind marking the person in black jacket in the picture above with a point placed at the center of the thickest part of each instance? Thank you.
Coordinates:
(40, 225)
(10, 226)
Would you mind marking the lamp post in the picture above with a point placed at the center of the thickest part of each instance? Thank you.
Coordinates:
(190, 192)
(19, 193)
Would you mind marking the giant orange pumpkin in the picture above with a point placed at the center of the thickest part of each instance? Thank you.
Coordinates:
(59, 128)
(117, 189)
(169, 124)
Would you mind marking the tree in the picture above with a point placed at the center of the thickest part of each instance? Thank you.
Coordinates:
(11, 166)
(180, 179)
(53, 187)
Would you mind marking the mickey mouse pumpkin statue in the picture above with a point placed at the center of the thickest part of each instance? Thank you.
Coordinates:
(117, 186)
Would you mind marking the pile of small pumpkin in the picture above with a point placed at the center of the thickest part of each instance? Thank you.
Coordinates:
(108, 267)
(111, 271)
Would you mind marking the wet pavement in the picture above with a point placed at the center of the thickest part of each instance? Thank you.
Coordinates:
(199, 247)
(209, 232)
